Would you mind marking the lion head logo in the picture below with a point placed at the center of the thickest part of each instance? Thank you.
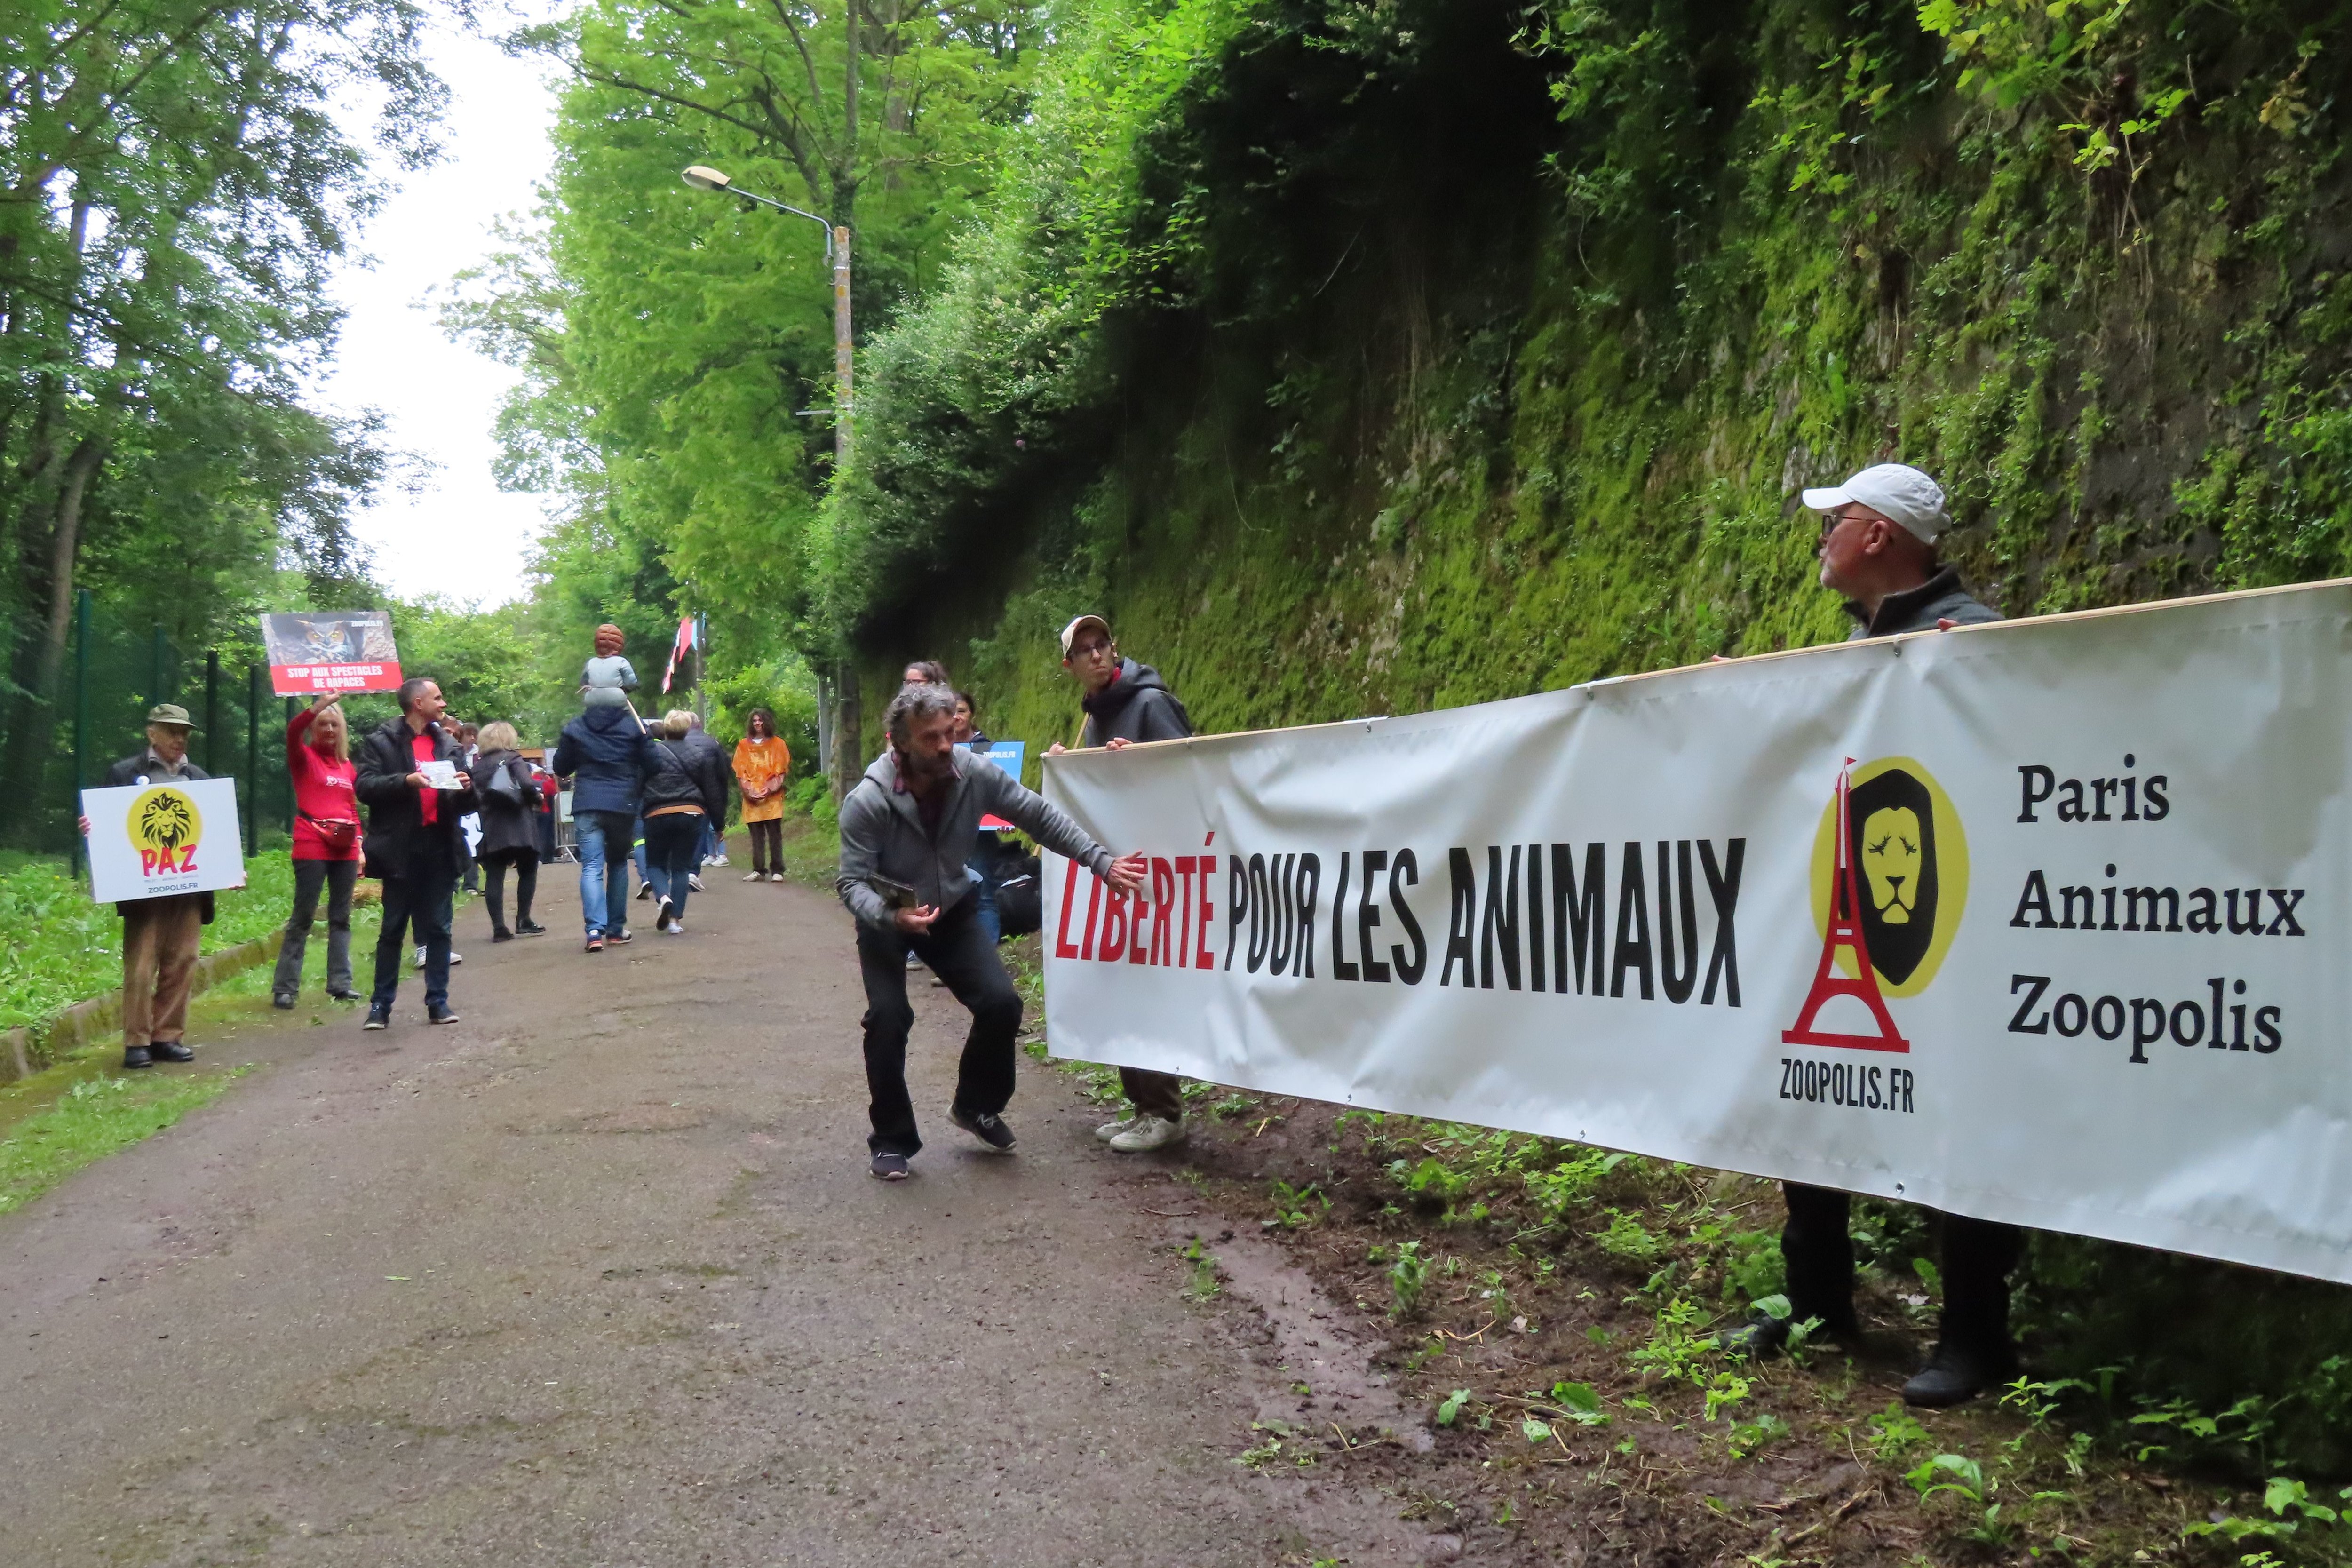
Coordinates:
(161, 823)
(1905, 843)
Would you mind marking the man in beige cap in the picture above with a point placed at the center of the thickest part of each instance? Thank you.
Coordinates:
(1126, 703)
(159, 936)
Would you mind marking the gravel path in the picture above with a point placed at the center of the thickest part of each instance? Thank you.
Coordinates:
(598, 1277)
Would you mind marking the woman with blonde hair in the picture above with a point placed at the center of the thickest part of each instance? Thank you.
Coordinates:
(508, 797)
(684, 787)
(326, 846)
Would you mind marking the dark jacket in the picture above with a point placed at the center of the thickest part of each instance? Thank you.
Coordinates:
(679, 773)
(398, 843)
(603, 752)
(723, 760)
(129, 772)
(507, 825)
(1940, 598)
(1136, 706)
(882, 834)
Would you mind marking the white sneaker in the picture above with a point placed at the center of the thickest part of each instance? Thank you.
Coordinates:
(456, 958)
(694, 882)
(1110, 1130)
(755, 877)
(420, 958)
(716, 860)
(674, 927)
(1148, 1133)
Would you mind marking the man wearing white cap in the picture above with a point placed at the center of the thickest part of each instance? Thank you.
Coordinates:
(1878, 551)
(1126, 703)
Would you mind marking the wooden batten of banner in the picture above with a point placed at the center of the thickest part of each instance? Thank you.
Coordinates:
(1844, 933)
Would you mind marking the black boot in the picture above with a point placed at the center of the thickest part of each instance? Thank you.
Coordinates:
(1956, 1374)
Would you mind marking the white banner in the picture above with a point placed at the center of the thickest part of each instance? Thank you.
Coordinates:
(2100, 865)
(174, 835)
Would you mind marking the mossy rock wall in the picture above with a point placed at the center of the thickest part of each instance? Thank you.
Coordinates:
(1494, 346)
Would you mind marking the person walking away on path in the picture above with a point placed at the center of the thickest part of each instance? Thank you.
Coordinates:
(762, 763)
(159, 936)
(1126, 702)
(413, 844)
(712, 850)
(508, 793)
(326, 846)
(906, 834)
(984, 855)
(603, 752)
(1878, 553)
(684, 787)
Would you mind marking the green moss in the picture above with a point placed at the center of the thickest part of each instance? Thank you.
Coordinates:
(1408, 354)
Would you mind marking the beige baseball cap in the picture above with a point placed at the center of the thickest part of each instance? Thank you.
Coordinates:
(1893, 492)
(1072, 630)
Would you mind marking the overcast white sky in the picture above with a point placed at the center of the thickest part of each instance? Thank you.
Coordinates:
(460, 535)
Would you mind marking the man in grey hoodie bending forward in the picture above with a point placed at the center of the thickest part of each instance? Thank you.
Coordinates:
(906, 831)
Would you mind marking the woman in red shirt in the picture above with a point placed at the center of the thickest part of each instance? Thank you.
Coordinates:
(326, 846)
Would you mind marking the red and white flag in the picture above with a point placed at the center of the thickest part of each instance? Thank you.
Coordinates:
(678, 649)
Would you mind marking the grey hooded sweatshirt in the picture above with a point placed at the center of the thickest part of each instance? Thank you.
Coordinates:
(882, 834)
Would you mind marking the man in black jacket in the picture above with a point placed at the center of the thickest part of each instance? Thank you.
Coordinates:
(159, 936)
(1126, 702)
(415, 793)
(1878, 553)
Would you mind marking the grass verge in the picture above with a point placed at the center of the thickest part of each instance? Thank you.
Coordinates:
(95, 1119)
(64, 948)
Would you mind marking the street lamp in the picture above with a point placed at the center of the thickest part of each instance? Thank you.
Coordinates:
(702, 177)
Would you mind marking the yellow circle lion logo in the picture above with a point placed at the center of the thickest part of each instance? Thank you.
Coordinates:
(165, 827)
(1911, 861)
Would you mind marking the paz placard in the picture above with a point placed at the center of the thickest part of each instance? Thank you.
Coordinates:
(169, 836)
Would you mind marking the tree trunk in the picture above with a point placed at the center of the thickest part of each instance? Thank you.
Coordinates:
(64, 540)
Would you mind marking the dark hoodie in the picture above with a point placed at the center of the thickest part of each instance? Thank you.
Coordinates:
(1136, 706)
(603, 753)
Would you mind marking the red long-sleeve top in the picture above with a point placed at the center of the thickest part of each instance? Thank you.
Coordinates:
(323, 792)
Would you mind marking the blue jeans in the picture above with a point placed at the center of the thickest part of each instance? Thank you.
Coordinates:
(599, 832)
(984, 899)
(674, 842)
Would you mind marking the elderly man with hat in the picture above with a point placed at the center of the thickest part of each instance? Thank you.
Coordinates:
(159, 936)
(1877, 552)
(1126, 703)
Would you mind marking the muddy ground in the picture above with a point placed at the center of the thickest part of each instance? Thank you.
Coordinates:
(597, 1277)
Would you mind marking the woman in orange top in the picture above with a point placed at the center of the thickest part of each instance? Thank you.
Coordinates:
(762, 761)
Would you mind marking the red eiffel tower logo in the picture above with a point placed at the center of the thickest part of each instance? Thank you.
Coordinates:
(1845, 932)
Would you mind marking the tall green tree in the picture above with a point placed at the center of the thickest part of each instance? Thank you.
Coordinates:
(678, 349)
(174, 191)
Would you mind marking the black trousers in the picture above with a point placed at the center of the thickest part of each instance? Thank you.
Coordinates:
(419, 902)
(337, 879)
(958, 951)
(1978, 1256)
(526, 869)
(767, 844)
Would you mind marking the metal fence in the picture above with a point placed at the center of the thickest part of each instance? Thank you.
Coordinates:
(57, 741)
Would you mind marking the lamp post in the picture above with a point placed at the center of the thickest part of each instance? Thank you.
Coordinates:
(702, 177)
